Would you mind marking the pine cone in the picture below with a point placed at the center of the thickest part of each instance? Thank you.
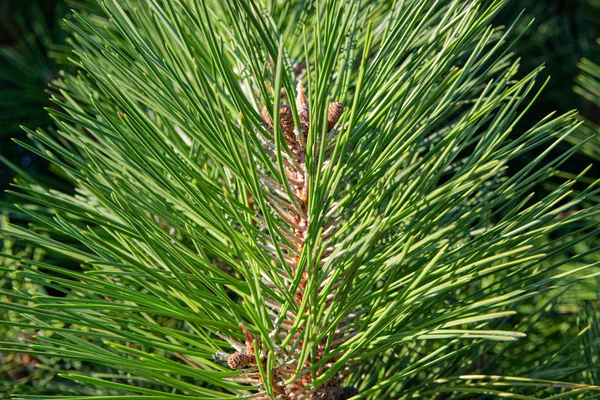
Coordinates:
(239, 360)
(336, 110)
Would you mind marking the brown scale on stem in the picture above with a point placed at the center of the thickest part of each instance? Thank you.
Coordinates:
(292, 209)
(303, 111)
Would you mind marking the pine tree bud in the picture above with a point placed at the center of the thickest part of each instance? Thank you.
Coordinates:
(336, 110)
(302, 104)
(287, 122)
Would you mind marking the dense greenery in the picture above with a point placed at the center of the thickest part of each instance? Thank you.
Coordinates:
(398, 232)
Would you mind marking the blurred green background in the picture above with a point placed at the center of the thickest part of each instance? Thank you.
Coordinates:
(32, 49)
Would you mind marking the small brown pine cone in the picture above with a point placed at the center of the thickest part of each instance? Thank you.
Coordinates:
(239, 360)
(287, 121)
(335, 112)
(287, 126)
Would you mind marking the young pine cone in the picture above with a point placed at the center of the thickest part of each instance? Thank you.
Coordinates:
(287, 121)
(335, 112)
(239, 360)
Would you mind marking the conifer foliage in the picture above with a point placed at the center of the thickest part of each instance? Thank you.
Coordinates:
(295, 200)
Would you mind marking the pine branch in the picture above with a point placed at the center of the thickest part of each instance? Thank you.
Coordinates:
(297, 201)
